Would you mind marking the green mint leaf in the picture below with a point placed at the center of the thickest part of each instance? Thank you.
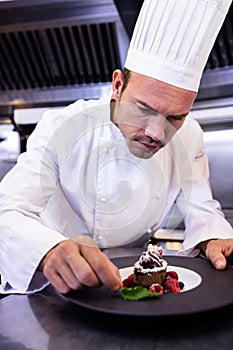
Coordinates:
(137, 293)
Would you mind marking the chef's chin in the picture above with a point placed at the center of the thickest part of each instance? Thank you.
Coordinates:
(139, 151)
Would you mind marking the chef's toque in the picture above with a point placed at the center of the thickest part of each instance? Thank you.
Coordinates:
(172, 39)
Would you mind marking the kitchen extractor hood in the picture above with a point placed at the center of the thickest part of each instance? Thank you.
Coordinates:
(53, 52)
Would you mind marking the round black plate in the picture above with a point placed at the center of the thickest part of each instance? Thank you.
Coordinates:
(215, 291)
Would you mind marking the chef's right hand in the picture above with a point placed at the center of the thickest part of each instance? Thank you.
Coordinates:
(74, 264)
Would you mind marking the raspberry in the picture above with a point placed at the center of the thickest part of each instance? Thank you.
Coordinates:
(156, 288)
(172, 274)
(171, 285)
(129, 281)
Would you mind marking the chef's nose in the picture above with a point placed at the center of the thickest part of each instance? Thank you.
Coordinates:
(155, 128)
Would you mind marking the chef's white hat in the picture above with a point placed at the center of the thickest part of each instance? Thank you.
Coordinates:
(172, 39)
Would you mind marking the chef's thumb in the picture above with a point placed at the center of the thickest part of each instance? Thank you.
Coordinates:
(220, 263)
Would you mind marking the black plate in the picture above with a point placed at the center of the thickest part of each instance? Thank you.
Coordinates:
(215, 291)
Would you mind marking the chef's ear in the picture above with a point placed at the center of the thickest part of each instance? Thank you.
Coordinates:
(117, 84)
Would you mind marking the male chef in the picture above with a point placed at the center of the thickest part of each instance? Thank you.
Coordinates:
(103, 174)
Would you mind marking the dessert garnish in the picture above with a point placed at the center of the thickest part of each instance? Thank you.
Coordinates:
(137, 293)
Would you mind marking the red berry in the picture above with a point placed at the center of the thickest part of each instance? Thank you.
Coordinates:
(171, 285)
(156, 288)
(172, 274)
(129, 281)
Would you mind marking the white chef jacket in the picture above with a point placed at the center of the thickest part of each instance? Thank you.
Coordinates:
(79, 177)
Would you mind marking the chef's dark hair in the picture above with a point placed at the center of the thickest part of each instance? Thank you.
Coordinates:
(126, 76)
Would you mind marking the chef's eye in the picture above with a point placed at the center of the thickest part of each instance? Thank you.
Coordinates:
(146, 111)
(175, 118)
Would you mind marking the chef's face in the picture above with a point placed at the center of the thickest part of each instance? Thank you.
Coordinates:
(147, 111)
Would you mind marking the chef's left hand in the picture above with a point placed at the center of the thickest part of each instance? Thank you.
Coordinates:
(218, 251)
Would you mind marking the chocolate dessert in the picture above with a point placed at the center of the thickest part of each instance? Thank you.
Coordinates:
(151, 267)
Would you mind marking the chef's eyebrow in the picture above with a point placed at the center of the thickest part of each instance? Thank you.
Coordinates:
(183, 115)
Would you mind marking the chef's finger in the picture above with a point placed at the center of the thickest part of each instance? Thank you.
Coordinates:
(106, 271)
(214, 253)
(79, 270)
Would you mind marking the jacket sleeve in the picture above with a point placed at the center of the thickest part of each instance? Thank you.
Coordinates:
(202, 214)
(24, 240)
